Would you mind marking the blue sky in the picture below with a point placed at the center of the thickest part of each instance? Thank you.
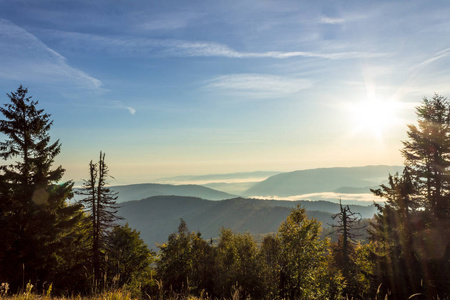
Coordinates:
(196, 87)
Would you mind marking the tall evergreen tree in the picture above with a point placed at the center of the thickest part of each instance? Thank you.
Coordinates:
(38, 221)
(412, 228)
(100, 203)
(427, 155)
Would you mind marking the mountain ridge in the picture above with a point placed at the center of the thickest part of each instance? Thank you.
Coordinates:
(159, 216)
(323, 180)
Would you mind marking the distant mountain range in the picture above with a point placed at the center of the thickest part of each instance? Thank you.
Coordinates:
(352, 185)
(337, 180)
(159, 216)
(145, 190)
(228, 177)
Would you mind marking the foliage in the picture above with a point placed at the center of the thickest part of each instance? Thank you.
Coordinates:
(128, 260)
(302, 260)
(39, 225)
(411, 231)
(344, 256)
(240, 266)
(186, 263)
(291, 264)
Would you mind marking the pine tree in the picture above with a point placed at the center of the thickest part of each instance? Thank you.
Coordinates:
(100, 203)
(427, 155)
(38, 220)
(411, 230)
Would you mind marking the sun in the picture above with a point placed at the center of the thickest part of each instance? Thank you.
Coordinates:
(374, 116)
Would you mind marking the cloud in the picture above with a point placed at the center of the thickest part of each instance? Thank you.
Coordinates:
(120, 46)
(328, 20)
(25, 57)
(259, 85)
(215, 49)
(120, 105)
(131, 110)
(437, 56)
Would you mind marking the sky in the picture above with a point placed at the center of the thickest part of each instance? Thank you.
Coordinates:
(170, 88)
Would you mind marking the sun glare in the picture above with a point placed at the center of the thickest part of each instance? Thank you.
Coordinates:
(374, 116)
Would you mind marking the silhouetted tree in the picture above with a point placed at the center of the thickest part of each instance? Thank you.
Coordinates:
(100, 202)
(411, 230)
(129, 259)
(39, 224)
(344, 251)
(427, 156)
(347, 220)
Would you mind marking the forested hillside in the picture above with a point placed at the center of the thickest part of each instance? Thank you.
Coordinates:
(145, 190)
(157, 217)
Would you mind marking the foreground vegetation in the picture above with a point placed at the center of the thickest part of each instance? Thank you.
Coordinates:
(54, 247)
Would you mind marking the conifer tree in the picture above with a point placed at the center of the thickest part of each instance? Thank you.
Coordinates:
(38, 221)
(100, 203)
(427, 155)
(412, 229)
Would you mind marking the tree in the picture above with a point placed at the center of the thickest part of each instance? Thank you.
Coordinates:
(344, 251)
(175, 266)
(302, 264)
(100, 202)
(39, 222)
(397, 267)
(411, 231)
(240, 267)
(187, 263)
(129, 259)
(427, 156)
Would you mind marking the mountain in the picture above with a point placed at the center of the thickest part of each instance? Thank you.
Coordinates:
(232, 183)
(157, 217)
(145, 190)
(236, 188)
(349, 180)
(227, 177)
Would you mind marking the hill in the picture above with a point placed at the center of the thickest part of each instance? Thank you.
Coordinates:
(145, 190)
(227, 177)
(159, 216)
(339, 180)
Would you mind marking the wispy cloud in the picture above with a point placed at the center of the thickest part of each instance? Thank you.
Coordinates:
(169, 47)
(328, 20)
(215, 49)
(259, 85)
(131, 110)
(435, 57)
(120, 105)
(25, 57)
